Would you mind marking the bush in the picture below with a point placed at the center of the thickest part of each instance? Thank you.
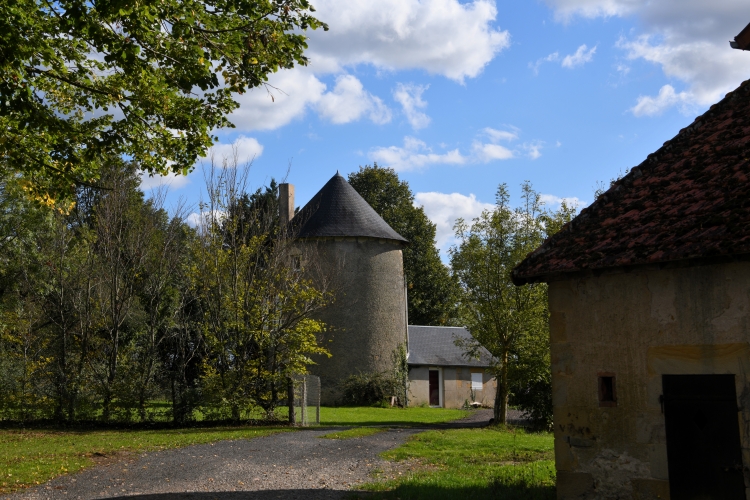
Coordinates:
(369, 389)
(535, 399)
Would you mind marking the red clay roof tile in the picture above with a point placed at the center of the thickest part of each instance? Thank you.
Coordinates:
(688, 200)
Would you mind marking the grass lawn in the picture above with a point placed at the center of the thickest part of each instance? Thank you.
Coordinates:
(369, 416)
(354, 433)
(473, 463)
(32, 457)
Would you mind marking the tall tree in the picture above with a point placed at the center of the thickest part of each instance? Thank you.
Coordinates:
(510, 321)
(432, 291)
(84, 80)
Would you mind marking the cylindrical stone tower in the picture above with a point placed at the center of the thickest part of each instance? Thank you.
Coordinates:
(350, 250)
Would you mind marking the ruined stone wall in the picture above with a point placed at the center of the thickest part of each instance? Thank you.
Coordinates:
(367, 320)
(638, 326)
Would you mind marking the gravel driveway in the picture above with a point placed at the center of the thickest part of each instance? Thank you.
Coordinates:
(290, 465)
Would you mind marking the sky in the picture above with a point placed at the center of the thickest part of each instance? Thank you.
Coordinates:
(461, 96)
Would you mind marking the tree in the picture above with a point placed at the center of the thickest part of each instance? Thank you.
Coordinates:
(147, 80)
(510, 321)
(432, 291)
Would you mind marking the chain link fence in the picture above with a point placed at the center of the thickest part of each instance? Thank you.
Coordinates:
(306, 400)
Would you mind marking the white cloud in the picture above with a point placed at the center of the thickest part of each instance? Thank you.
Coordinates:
(443, 209)
(447, 37)
(554, 202)
(199, 219)
(244, 149)
(581, 57)
(410, 98)
(414, 155)
(487, 152)
(553, 57)
(171, 181)
(650, 106)
(502, 135)
(688, 39)
(349, 101)
(533, 149)
(289, 94)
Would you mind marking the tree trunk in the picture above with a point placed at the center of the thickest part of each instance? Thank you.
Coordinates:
(501, 394)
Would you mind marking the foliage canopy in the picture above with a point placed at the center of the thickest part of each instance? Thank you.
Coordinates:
(146, 80)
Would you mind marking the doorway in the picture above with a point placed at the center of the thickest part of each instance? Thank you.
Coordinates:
(435, 388)
(704, 456)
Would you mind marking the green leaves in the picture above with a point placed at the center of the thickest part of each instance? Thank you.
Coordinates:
(511, 322)
(146, 80)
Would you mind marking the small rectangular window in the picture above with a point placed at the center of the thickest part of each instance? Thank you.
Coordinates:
(476, 381)
(296, 262)
(607, 389)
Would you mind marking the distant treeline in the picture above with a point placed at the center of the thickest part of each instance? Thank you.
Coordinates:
(110, 307)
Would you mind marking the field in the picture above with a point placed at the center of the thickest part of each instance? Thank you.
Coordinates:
(472, 463)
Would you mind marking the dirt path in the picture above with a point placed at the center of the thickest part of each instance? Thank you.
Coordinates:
(290, 465)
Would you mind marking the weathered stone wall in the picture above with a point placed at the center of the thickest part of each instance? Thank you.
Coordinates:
(456, 386)
(639, 325)
(367, 321)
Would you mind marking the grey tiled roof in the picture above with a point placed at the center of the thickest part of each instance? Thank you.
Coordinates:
(338, 210)
(435, 345)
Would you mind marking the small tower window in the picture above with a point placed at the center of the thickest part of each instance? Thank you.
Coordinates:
(607, 389)
(296, 262)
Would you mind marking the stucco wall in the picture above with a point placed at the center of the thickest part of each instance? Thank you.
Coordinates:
(367, 320)
(639, 326)
(456, 386)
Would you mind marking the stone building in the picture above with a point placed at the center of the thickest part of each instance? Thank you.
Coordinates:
(649, 299)
(441, 375)
(351, 251)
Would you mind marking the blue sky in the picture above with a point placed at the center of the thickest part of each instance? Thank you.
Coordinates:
(460, 96)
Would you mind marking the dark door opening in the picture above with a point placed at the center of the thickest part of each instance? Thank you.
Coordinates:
(704, 456)
(434, 388)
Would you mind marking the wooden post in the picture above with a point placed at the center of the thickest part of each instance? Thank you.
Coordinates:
(304, 401)
(290, 398)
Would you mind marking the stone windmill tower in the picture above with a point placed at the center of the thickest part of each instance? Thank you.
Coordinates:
(348, 244)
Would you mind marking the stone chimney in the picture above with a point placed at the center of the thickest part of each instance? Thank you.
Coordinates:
(286, 203)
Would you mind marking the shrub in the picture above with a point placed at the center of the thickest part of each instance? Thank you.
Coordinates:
(370, 388)
(535, 399)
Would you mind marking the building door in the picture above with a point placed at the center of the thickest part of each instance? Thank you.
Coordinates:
(704, 458)
(434, 388)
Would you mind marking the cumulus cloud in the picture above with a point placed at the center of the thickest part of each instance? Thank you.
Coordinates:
(171, 181)
(410, 98)
(292, 92)
(443, 209)
(688, 39)
(487, 152)
(243, 149)
(554, 202)
(414, 155)
(553, 57)
(288, 96)
(446, 37)
(650, 106)
(349, 101)
(581, 57)
(200, 219)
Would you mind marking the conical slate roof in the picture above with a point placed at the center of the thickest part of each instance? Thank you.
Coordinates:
(338, 210)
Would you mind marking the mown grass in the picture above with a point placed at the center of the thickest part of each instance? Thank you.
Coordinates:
(477, 463)
(399, 417)
(32, 457)
(353, 433)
